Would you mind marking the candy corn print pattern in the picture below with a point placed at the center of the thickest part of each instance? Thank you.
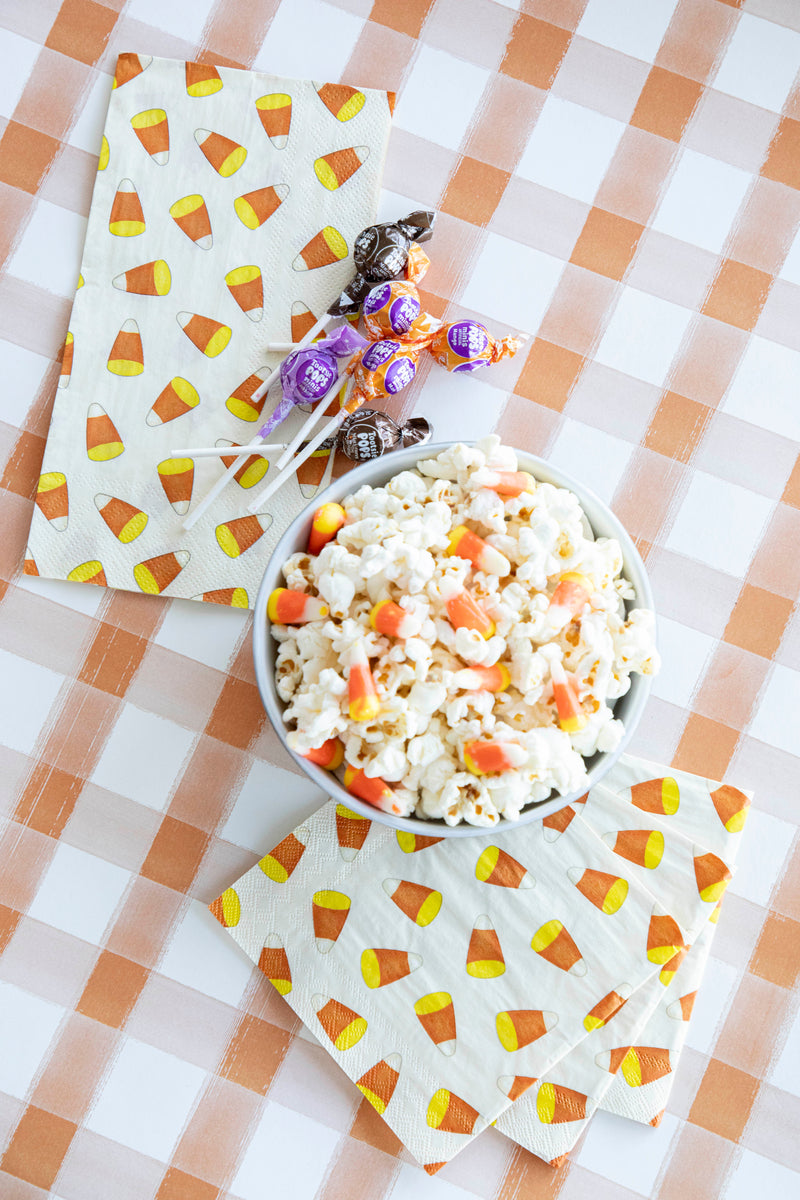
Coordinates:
(212, 185)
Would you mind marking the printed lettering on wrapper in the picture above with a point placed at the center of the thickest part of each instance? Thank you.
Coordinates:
(379, 353)
(468, 340)
(314, 380)
(399, 375)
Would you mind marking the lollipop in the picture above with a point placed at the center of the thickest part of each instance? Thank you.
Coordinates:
(368, 434)
(381, 253)
(394, 310)
(467, 345)
(309, 374)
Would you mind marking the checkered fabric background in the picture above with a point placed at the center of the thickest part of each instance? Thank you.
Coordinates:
(621, 178)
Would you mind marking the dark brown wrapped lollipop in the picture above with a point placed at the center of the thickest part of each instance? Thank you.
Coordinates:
(380, 253)
(368, 434)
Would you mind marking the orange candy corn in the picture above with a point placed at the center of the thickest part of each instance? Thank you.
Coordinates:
(89, 572)
(606, 892)
(379, 1082)
(515, 1086)
(351, 831)
(664, 938)
(252, 470)
(288, 607)
(152, 129)
(128, 67)
(176, 476)
(237, 536)
(177, 398)
(464, 612)
(254, 208)
(127, 357)
(484, 679)
(389, 618)
(712, 876)
(343, 101)
(325, 248)
(606, 1008)
(127, 218)
(232, 597)
(302, 320)
(246, 286)
(466, 544)
(66, 360)
(225, 155)
(241, 402)
(661, 796)
(191, 216)
(556, 946)
(29, 566)
(485, 959)
(329, 755)
(667, 972)
(497, 867)
(210, 336)
(343, 1026)
(681, 1010)
(364, 704)
(554, 825)
(571, 716)
(412, 843)
(275, 965)
(638, 1065)
(556, 1105)
(103, 441)
(420, 904)
(325, 524)
(437, 1017)
(202, 80)
(645, 847)
(372, 790)
(731, 807)
(227, 908)
(332, 170)
(282, 860)
(449, 1113)
(154, 575)
(572, 592)
(329, 911)
(149, 279)
(275, 114)
(380, 967)
(519, 1027)
(508, 483)
(491, 758)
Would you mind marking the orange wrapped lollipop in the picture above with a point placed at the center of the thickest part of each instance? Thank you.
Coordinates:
(467, 345)
(394, 310)
(384, 369)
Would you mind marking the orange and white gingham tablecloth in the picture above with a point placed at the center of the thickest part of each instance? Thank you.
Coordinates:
(620, 178)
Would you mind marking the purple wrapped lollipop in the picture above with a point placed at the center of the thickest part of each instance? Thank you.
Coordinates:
(308, 374)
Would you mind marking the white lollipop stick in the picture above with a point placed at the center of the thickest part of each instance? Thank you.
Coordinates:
(280, 347)
(219, 451)
(314, 416)
(304, 341)
(328, 430)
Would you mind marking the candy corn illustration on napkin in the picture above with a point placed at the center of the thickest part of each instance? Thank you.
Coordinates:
(223, 218)
(525, 978)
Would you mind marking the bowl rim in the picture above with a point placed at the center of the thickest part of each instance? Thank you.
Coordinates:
(394, 463)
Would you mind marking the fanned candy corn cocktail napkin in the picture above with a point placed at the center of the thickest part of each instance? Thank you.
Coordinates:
(524, 978)
(223, 218)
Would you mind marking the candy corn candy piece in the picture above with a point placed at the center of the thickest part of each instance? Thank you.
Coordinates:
(364, 704)
(325, 248)
(484, 679)
(379, 1082)
(177, 398)
(149, 279)
(202, 80)
(661, 796)
(254, 208)
(329, 911)
(66, 361)
(491, 758)
(274, 963)
(325, 524)
(645, 847)
(497, 867)
(463, 543)
(176, 476)
(731, 807)
(606, 1008)
(275, 114)
(127, 357)
(282, 860)
(237, 536)
(105, 154)
(638, 1065)
(302, 320)
(556, 946)
(554, 825)
(664, 938)
(102, 438)
(411, 843)
(571, 716)
(332, 170)
(225, 155)
(572, 592)
(464, 612)
(712, 876)
(227, 908)
(484, 954)
(329, 755)
(288, 607)
(389, 618)
(128, 67)
(343, 1026)
(340, 99)
(667, 972)
(515, 1086)
(420, 904)
(80, 283)
(232, 597)
(125, 521)
(450, 1114)
(252, 470)
(372, 790)
(152, 129)
(437, 1017)
(191, 216)
(89, 572)
(519, 1027)
(210, 336)
(556, 1105)
(381, 967)
(127, 218)
(29, 566)
(154, 575)
(508, 483)
(681, 1009)
(246, 287)
(351, 831)
(606, 892)
(241, 402)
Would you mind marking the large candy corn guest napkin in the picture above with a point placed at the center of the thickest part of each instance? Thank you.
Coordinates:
(223, 218)
(523, 978)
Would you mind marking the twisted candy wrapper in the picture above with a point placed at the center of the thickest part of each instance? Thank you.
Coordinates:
(382, 252)
(307, 374)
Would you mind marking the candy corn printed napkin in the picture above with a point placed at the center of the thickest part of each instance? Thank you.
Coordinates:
(223, 217)
(524, 978)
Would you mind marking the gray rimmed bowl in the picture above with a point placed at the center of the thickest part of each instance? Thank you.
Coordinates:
(628, 708)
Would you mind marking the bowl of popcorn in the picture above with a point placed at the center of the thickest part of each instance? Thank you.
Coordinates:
(454, 639)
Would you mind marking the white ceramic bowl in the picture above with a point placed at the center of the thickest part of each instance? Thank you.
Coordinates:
(628, 708)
